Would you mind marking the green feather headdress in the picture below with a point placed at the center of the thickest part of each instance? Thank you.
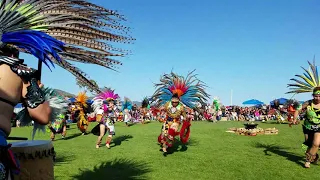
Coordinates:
(308, 81)
(59, 31)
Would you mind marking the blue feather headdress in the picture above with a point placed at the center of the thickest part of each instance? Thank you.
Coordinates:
(127, 104)
(189, 90)
(58, 31)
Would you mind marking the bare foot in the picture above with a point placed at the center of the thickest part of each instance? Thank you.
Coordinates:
(307, 165)
(164, 149)
(108, 146)
(97, 146)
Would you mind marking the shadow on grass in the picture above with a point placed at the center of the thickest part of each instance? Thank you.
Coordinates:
(61, 159)
(117, 169)
(281, 151)
(146, 122)
(70, 137)
(178, 146)
(117, 140)
(130, 124)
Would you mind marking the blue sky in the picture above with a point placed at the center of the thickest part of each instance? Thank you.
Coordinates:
(252, 47)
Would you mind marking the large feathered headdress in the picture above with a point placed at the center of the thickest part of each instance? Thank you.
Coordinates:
(308, 81)
(55, 31)
(101, 99)
(82, 99)
(189, 90)
(127, 104)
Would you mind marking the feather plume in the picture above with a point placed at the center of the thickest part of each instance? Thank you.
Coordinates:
(82, 99)
(308, 81)
(107, 95)
(189, 89)
(127, 104)
(57, 31)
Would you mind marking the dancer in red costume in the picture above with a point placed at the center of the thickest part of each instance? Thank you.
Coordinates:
(177, 93)
(292, 105)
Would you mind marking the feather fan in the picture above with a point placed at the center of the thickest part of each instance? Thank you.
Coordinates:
(57, 31)
(308, 81)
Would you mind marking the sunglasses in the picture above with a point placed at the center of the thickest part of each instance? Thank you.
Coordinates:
(174, 102)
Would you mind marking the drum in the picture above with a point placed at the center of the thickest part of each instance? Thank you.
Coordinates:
(35, 158)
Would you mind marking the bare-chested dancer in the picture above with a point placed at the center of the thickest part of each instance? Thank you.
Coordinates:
(18, 83)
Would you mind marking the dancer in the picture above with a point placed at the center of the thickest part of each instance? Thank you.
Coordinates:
(277, 111)
(126, 108)
(135, 113)
(292, 105)
(80, 108)
(104, 107)
(59, 126)
(175, 92)
(309, 82)
(144, 110)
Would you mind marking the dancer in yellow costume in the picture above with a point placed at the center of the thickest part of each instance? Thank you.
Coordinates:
(81, 104)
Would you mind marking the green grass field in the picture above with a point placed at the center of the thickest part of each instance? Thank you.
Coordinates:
(211, 154)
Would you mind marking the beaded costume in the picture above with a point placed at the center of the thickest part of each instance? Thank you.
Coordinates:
(188, 91)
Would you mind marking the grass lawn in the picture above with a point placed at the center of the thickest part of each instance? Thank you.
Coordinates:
(211, 154)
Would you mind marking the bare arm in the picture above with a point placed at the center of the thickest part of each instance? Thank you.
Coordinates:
(298, 111)
(40, 114)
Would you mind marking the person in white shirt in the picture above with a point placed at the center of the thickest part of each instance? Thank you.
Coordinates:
(127, 117)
